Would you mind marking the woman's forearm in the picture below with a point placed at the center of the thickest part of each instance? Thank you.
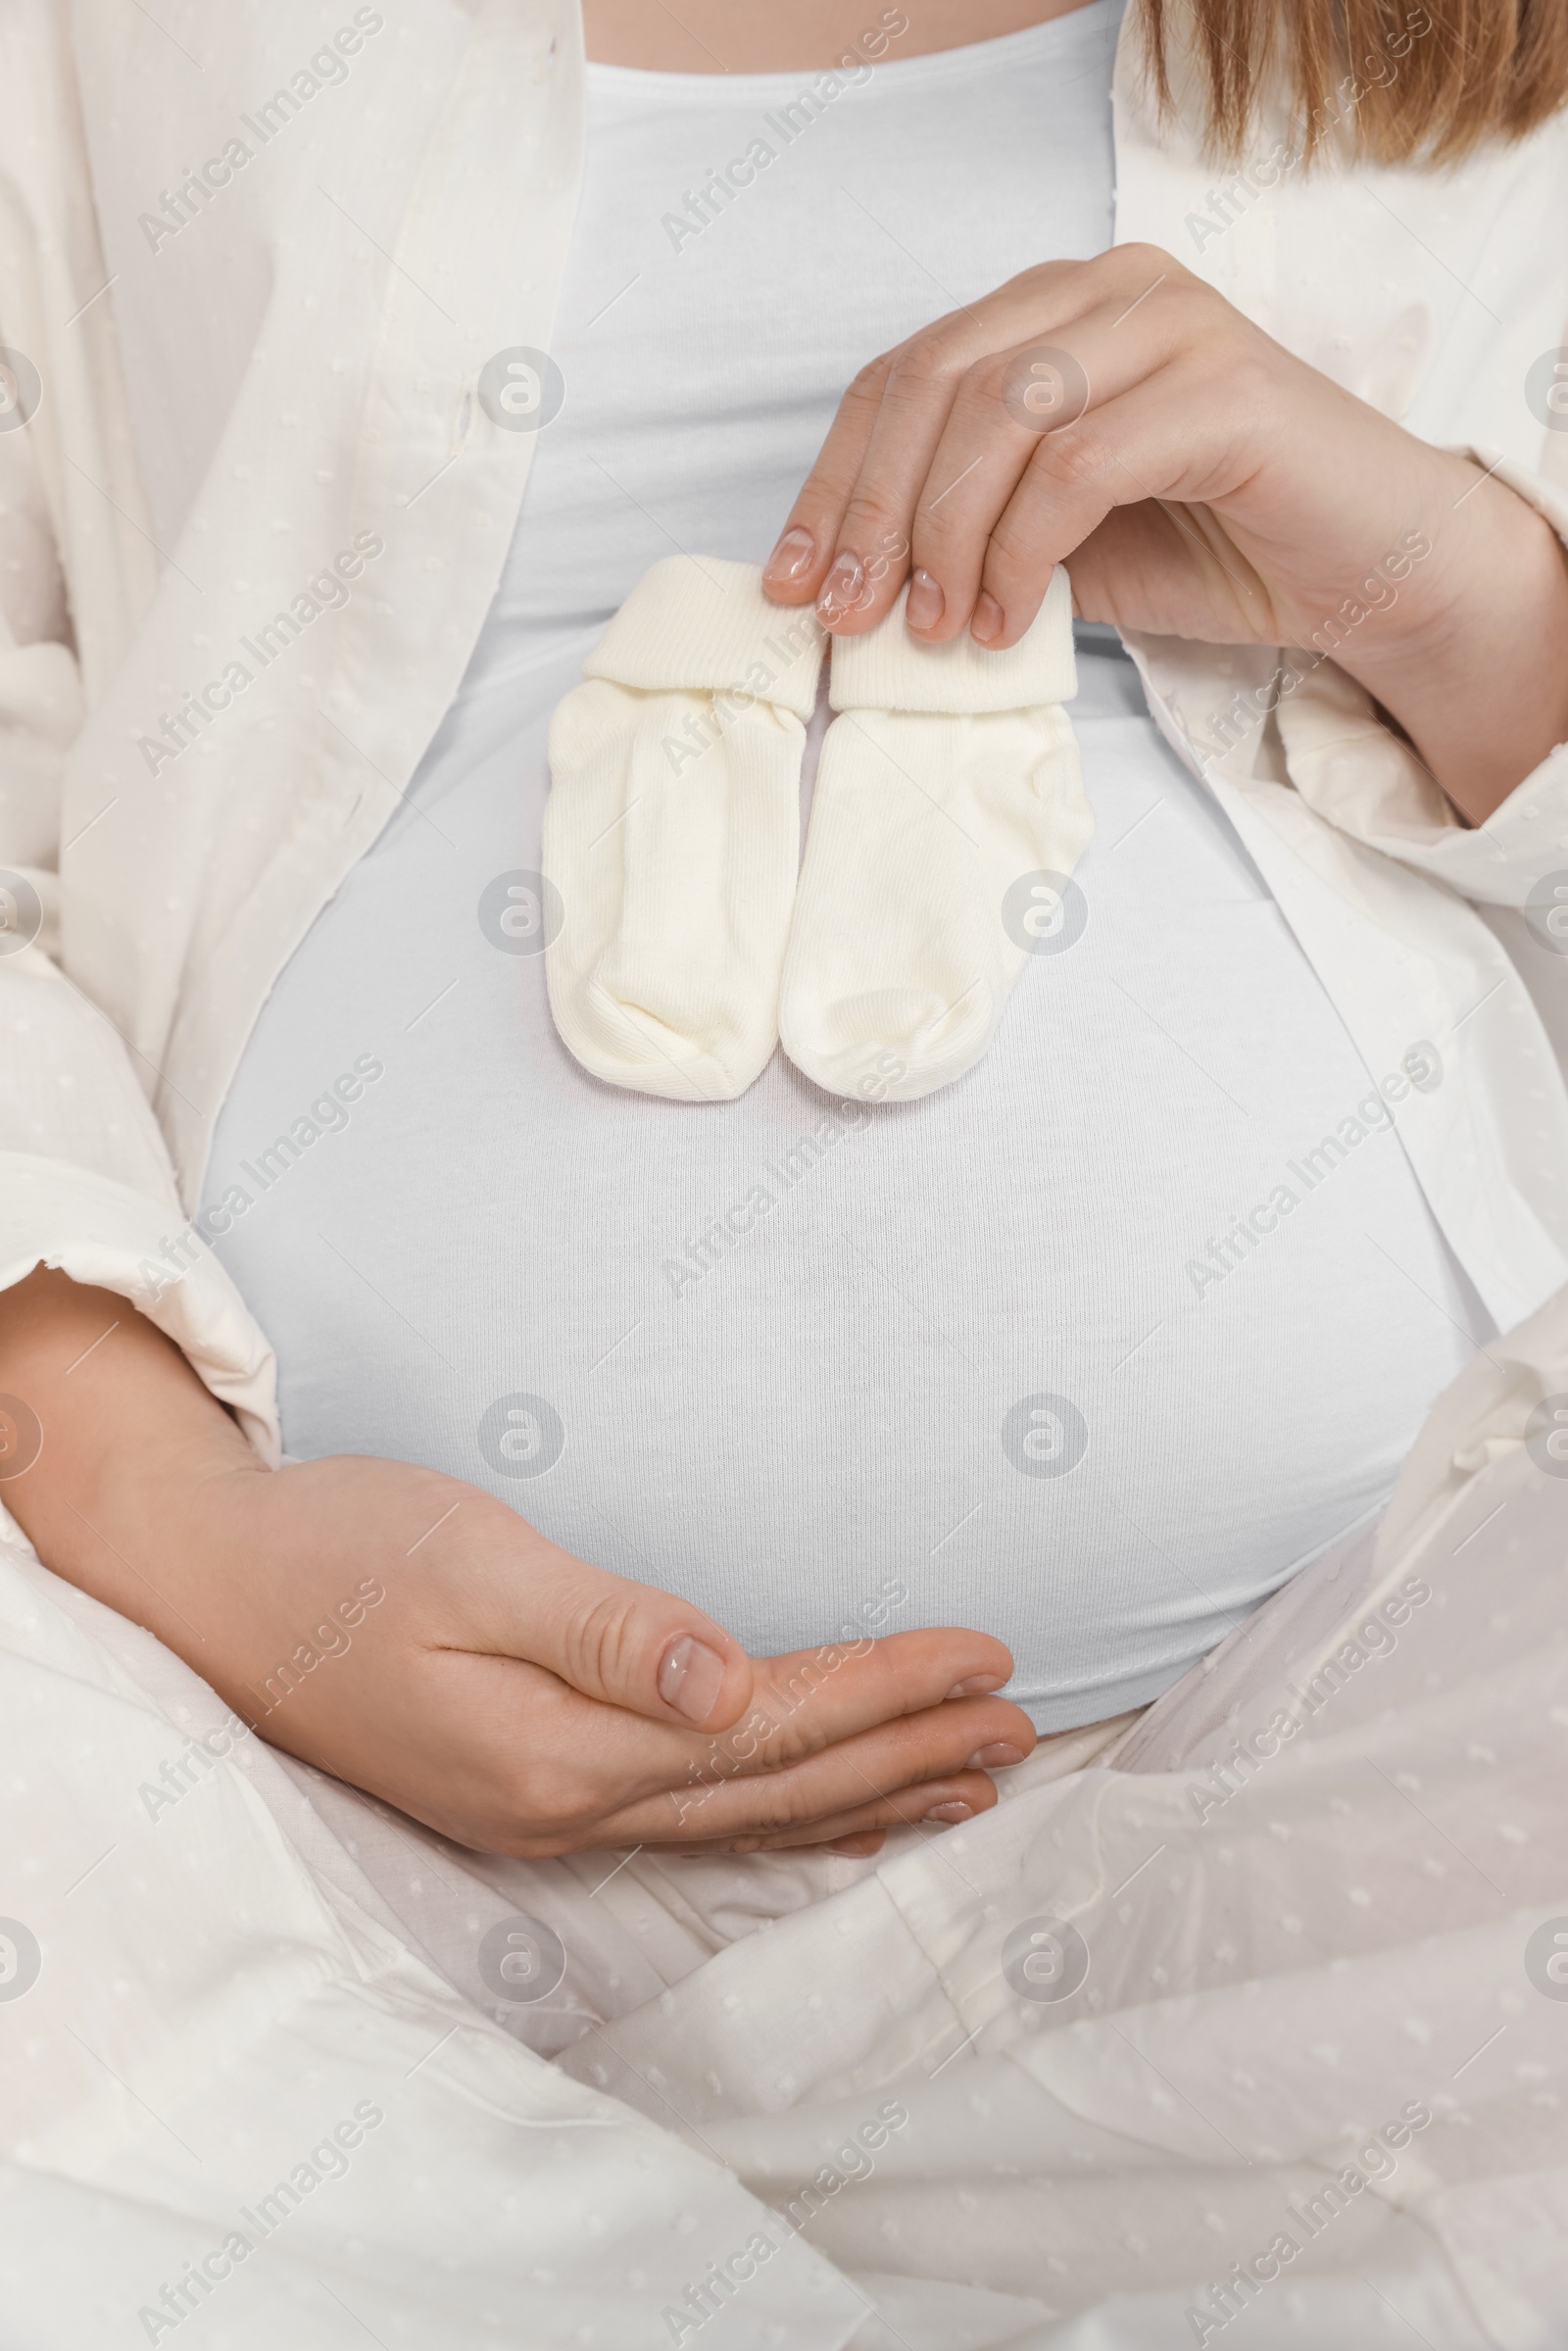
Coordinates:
(1476, 670)
(122, 1419)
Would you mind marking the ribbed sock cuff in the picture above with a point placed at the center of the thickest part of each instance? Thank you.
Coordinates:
(888, 669)
(700, 625)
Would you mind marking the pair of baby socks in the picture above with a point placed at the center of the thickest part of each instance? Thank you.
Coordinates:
(694, 941)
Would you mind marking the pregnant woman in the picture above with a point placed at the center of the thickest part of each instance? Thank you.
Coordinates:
(659, 1447)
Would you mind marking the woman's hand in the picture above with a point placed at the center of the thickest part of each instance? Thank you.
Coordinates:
(521, 1702)
(411, 1635)
(1120, 416)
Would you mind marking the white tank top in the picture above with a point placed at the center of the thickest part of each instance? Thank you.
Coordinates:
(1020, 1355)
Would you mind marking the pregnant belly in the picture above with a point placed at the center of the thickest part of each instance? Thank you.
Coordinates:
(998, 1357)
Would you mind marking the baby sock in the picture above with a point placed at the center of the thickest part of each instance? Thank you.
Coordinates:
(672, 831)
(948, 779)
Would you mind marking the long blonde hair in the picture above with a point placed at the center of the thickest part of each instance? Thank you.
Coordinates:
(1393, 81)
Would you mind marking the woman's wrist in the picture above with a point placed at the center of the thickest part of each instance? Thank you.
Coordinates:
(1475, 669)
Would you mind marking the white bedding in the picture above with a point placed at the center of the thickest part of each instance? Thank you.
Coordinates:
(1362, 1931)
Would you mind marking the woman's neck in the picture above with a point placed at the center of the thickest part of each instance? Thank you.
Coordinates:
(738, 36)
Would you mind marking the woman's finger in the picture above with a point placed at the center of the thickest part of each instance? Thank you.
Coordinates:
(881, 1776)
(828, 1730)
(818, 532)
(1153, 444)
(849, 531)
(934, 1804)
(1033, 410)
(865, 517)
(915, 460)
(514, 1595)
(941, 1803)
(798, 567)
(626, 1644)
(776, 1816)
(1142, 568)
(810, 1700)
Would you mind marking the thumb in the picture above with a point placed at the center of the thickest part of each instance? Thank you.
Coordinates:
(626, 1643)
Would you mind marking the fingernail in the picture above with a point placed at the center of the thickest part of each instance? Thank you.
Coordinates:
(842, 587)
(926, 604)
(995, 1758)
(987, 619)
(793, 556)
(978, 1686)
(690, 1678)
(956, 1811)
